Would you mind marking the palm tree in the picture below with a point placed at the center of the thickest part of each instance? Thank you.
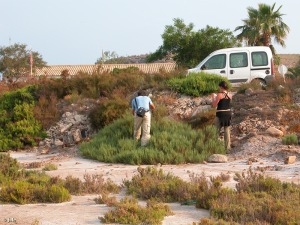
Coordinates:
(263, 24)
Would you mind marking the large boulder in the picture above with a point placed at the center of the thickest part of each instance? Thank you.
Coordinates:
(217, 158)
(274, 132)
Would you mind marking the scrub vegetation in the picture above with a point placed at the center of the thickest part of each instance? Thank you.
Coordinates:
(171, 143)
(21, 186)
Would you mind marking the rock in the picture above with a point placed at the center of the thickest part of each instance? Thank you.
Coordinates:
(274, 132)
(217, 158)
(58, 142)
(65, 128)
(248, 91)
(290, 159)
(77, 136)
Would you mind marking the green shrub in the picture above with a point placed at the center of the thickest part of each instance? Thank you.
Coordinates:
(105, 199)
(197, 84)
(22, 187)
(171, 142)
(290, 139)
(23, 192)
(91, 184)
(257, 207)
(258, 200)
(128, 211)
(19, 127)
(153, 183)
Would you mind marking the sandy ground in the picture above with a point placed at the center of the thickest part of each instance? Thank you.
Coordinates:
(83, 210)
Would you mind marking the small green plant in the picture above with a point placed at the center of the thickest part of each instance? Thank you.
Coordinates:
(50, 167)
(290, 139)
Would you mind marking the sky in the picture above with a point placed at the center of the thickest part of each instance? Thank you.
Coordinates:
(71, 32)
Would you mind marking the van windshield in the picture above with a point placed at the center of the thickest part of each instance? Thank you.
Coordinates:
(215, 62)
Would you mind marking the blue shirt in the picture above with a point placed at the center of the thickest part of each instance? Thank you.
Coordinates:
(142, 101)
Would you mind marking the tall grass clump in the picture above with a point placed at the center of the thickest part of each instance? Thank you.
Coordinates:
(171, 142)
(290, 139)
(197, 84)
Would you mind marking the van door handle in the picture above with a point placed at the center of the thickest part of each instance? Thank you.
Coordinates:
(231, 71)
(222, 71)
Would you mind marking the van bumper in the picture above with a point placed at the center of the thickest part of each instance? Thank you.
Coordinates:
(269, 78)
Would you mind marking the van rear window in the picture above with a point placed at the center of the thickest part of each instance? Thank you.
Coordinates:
(259, 59)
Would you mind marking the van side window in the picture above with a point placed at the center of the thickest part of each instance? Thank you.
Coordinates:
(239, 59)
(215, 62)
(259, 58)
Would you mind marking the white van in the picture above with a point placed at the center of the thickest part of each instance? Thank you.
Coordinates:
(242, 64)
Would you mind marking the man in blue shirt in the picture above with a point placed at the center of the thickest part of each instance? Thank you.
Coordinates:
(142, 124)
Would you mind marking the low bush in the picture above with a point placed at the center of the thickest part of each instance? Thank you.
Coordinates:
(20, 186)
(259, 200)
(107, 200)
(91, 184)
(171, 142)
(107, 111)
(197, 84)
(50, 167)
(153, 183)
(127, 211)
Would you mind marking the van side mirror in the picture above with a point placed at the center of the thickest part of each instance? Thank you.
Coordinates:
(203, 67)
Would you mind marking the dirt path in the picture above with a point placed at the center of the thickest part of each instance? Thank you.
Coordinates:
(83, 210)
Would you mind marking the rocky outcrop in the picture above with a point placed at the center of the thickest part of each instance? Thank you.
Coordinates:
(187, 107)
(70, 130)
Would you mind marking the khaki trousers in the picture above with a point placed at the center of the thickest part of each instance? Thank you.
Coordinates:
(226, 133)
(142, 127)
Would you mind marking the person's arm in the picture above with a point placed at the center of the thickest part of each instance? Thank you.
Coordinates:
(152, 106)
(133, 106)
(215, 99)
